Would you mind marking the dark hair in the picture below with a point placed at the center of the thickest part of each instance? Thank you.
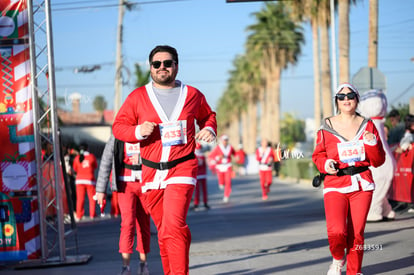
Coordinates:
(393, 113)
(83, 147)
(164, 48)
(409, 121)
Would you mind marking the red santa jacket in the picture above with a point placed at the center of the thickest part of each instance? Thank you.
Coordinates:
(265, 157)
(222, 156)
(85, 170)
(240, 157)
(331, 145)
(142, 105)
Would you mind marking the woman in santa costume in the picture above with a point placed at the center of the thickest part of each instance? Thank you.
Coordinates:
(222, 155)
(161, 116)
(347, 145)
(265, 157)
(84, 165)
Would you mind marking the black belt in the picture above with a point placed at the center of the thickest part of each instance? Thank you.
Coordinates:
(168, 164)
(135, 167)
(352, 170)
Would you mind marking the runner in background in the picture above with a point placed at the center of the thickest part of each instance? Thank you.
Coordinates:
(222, 155)
(265, 157)
(240, 160)
(84, 165)
(201, 186)
(122, 161)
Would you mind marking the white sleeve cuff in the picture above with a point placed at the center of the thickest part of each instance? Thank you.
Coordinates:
(211, 130)
(371, 142)
(138, 133)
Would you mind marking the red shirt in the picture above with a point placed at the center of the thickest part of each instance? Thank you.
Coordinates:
(85, 170)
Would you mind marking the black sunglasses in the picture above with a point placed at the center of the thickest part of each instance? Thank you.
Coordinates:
(167, 63)
(351, 95)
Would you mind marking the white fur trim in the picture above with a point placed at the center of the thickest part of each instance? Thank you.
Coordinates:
(163, 184)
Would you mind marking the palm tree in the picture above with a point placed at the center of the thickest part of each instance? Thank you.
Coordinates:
(248, 78)
(326, 80)
(343, 40)
(318, 14)
(143, 77)
(278, 41)
(307, 10)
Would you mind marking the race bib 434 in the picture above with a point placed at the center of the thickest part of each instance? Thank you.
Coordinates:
(351, 151)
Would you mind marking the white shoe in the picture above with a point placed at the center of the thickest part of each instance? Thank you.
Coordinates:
(221, 187)
(226, 199)
(391, 215)
(336, 267)
(374, 217)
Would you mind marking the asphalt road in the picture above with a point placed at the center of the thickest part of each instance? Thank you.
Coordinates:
(284, 235)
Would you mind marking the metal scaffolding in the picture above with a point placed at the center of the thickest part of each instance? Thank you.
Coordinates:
(54, 233)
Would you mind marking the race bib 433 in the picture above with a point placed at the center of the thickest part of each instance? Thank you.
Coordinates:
(173, 133)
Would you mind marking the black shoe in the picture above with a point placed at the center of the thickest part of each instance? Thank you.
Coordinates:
(206, 206)
(194, 208)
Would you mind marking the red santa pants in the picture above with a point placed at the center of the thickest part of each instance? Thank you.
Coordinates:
(346, 216)
(265, 181)
(134, 219)
(114, 204)
(81, 190)
(224, 179)
(200, 187)
(168, 208)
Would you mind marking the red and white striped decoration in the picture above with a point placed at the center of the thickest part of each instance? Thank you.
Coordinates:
(17, 151)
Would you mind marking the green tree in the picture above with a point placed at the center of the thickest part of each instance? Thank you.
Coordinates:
(403, 109)
(99, 103)
(292, 130)
(143, 76)
(278, 39)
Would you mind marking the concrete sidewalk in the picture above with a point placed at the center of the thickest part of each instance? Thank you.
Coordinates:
(284, 235)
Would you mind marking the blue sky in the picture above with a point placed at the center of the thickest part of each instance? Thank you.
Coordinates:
(208, 35)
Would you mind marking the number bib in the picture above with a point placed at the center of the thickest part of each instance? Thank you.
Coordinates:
(132, 148)
(351, 151)
(132, 151)
(173, 133)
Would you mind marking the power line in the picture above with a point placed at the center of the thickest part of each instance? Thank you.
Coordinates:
(129, 4)
(403, 93)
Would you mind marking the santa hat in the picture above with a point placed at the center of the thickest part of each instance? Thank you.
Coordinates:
(224, 137)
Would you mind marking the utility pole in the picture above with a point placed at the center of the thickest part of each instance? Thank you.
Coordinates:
(373, 34)
(118, 62)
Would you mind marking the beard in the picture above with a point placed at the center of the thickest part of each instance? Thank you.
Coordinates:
(163, 79)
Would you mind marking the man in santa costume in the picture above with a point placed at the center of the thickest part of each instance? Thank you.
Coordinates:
(161, 116)
(265, 157)
(222, 155)
(121, 165)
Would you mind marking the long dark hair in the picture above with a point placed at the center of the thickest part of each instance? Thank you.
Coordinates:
(82, 148)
